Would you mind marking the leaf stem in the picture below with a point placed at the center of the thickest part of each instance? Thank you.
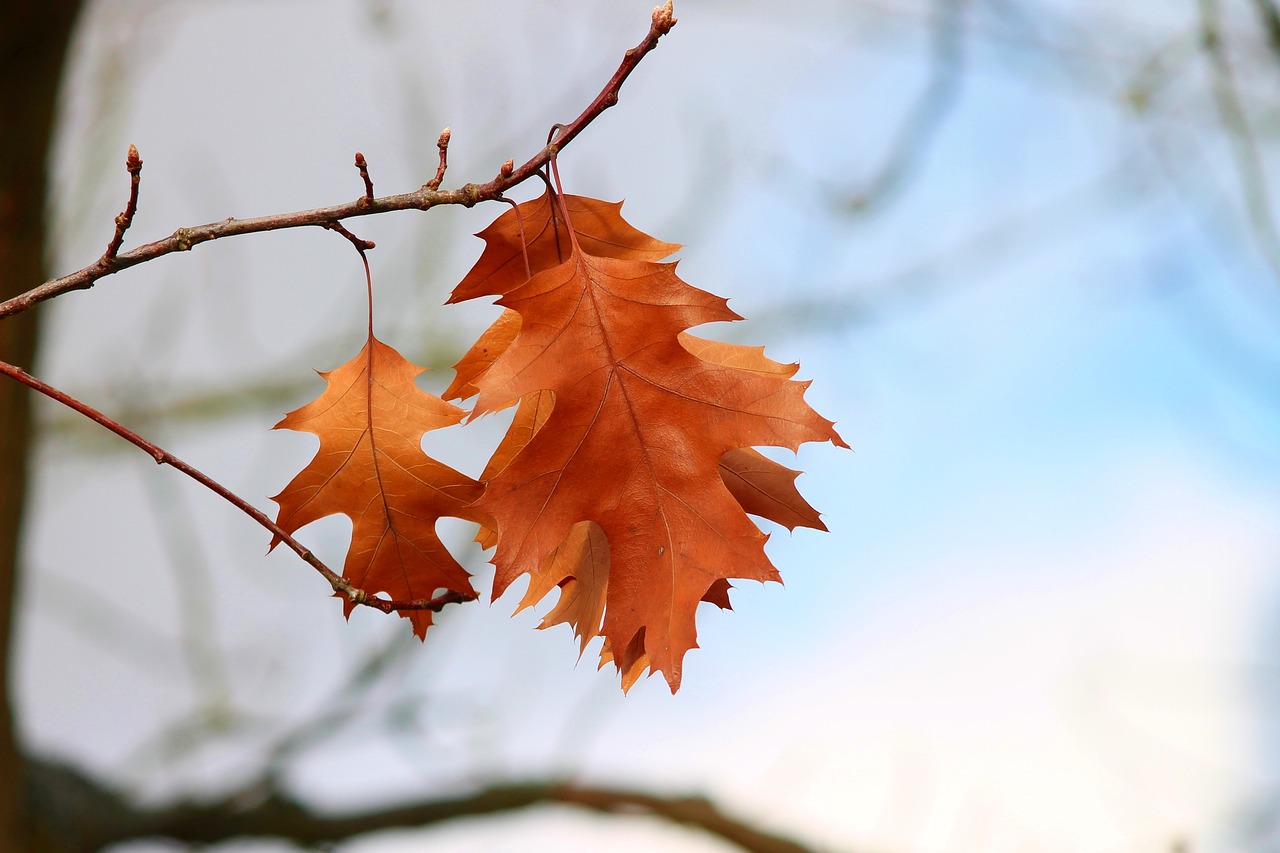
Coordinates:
(524, 241)
(564, 208)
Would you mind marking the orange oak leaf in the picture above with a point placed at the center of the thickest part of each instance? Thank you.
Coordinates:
(763, 487)
(536, 233)
(371, 468)
(611, 486)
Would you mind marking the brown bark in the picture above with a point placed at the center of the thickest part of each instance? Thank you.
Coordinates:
(34, 35)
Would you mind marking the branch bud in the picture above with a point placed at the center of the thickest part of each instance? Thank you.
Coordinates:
(663, 18)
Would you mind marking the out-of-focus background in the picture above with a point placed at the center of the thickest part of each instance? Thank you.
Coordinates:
(1026, 250)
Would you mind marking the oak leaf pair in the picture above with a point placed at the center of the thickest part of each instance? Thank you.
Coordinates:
(626, 477)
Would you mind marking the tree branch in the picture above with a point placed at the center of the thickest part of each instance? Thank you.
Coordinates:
(277, 817)
(163, 457)
(424, 198)
(93, 816)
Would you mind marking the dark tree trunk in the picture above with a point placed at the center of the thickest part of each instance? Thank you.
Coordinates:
(34, 35)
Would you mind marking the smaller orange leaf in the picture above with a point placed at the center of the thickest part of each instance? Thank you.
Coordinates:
(371, 468)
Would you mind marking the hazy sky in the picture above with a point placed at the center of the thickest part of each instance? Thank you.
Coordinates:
(1043, 617)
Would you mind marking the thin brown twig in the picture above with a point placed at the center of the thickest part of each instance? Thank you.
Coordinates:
(364, 176)
(125, 218)
(163, 457)
(425, 198)
(443, 145)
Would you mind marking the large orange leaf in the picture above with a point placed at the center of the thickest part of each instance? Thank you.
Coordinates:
(538, 235)
(371, 468)
(616, 494)
(763, 487)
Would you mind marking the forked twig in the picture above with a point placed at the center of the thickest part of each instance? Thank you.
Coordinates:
(424, 198)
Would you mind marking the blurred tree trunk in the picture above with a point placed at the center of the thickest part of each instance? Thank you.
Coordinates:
(34, 35)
